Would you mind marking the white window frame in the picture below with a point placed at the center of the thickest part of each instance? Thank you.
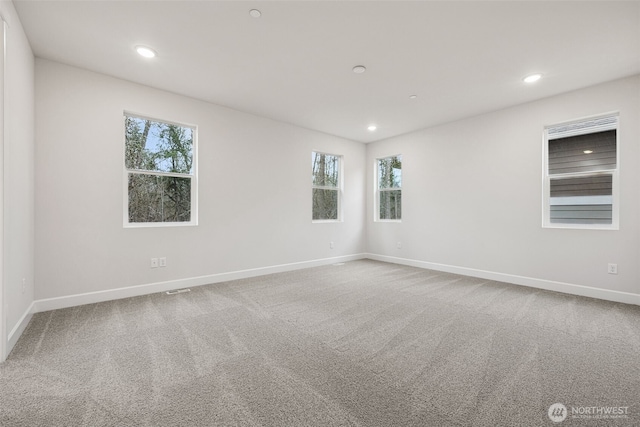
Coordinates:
(377, 190)
(193, 177)
(614, 173)
(323, 187)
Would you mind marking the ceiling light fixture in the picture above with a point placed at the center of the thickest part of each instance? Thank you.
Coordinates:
(359, 69)
(255, 13)
(372, 127)
(532, 78)
(413, 96)
(588, 151)
(147, 52)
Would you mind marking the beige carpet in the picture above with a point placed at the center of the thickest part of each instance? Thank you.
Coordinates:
(360, 344)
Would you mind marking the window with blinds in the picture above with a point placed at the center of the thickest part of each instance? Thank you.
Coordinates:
(581, 173)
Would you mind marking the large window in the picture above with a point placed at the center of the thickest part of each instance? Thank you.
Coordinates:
(389, 189)
(160, 173)
(326, 186)
(581, 174)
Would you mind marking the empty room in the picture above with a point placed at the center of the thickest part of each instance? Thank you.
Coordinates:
(320, 213)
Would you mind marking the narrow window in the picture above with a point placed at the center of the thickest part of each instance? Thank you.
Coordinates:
(581, 174)
(160, 173)
(326, 186)
(389, 189)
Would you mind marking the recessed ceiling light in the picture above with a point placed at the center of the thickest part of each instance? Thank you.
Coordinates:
(147, 52)
(413, 96)
(255, 13)
(588, 151)
(532, 78)
(372, 127)
(359, 69)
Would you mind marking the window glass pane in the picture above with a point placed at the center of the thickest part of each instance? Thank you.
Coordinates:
(581, 200)
(157, 146)
(325, 170)
(391, 204)
(155, 198)
(583, 153)
(325, 204)
(390, 172)
(595, 185)
(581, 214)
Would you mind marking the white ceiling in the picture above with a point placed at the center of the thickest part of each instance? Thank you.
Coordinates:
(294, 63)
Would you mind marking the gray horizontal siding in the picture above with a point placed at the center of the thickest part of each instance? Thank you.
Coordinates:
(566, 155)
(601, 185)
(581, 214)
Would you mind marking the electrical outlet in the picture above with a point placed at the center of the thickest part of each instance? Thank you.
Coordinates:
(612, 269)
(154, 262)
(24, 285)
(163, 262)
(330, 245)
(399, 245)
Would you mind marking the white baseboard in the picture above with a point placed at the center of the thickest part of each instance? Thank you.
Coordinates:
(549, 285)
(17, 330)
(134, 291)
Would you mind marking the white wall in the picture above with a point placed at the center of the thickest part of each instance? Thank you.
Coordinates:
(472, 196)
(254, 194)
(18, 175)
